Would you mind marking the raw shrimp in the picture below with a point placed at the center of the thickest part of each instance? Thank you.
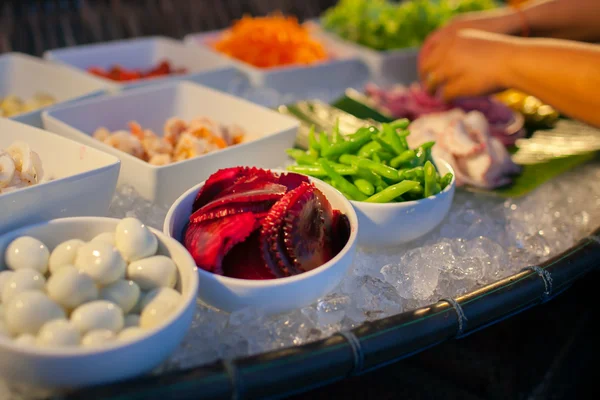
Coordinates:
(190, 146)
(27, 162)
(155, 145)
(101, 134)
(7, 169)
(124, 141)
(174, 127)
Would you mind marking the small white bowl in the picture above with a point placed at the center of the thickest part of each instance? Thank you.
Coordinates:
(75, 367)
(304, 81)
(275, 295)
(268, 133)
(143, 52)
(84, 184)
(25, 76)
(392, 224)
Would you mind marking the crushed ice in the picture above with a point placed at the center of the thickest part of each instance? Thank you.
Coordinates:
(484, 238)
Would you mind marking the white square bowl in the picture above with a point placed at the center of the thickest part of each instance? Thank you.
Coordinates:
(83, 185)
(268, 133)
(144, 52)
(344, 63)
(24, 76)
(386, 67)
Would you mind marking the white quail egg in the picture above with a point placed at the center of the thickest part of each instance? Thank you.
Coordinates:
(123, 293)
(70, 287)
(22, 280)
(98, 314)
(153, 272)
(134, 240)
(28, 311)
(108, 237)
(98, 338)
(101, 261)
(131, 333)
(64, 254)
(158, 305)
(4, 329)
(25, 340)
(4, 276)
(59, 332)
(27, 252)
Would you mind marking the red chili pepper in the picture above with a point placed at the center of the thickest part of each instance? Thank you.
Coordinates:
(120, 74)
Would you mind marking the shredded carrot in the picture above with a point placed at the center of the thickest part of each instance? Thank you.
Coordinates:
(270, 41)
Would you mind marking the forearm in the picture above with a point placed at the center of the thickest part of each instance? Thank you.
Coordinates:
(561, 73)
(564, 19)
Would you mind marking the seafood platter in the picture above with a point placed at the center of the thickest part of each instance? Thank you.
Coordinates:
(206, 217)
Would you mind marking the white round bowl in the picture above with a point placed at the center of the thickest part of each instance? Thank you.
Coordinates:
(75, 367)
(392, 224)
(274, 295)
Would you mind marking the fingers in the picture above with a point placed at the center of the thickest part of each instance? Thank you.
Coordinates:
(459, 86)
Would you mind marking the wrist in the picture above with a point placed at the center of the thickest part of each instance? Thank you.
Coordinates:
(510, 59)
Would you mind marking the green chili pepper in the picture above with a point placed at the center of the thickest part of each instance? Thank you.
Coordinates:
(420, 159)
(368, 149)
(345, 147)
(445, 181)
(372, 177)
(348, 159)
(404, 142)
(384, 145)
(341, 183)
(427, 145)
(312, 140)
(364, 131)
(395, 142)
(384, 156)
(415, 174)
(337, 136)
(318, 172)
(417, 192)
(430, 180)
(380, 169)
(364, 186)
(323, 143)
(301, 157)
(404, 158)
(400, 124)
(392, 192)
(375, 157)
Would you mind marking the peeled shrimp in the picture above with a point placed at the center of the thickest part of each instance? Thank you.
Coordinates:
(101, 134)
(7, 169)
(190, 146)
(124, 141)
(174, 127)
(27, 162)
(160, 159)
(155, 145)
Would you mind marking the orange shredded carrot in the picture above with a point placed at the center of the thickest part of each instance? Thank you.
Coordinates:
(270, 41)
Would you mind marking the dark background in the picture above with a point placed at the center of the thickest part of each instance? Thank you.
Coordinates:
(549, 352)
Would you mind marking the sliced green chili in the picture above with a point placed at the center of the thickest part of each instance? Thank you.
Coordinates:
(341, 183)
(392, 192)
(406, 157)
(380, 169)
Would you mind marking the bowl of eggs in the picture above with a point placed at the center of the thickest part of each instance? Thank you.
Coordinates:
(90, 300)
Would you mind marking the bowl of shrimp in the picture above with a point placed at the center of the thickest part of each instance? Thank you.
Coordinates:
(45, 176)
(171, 136)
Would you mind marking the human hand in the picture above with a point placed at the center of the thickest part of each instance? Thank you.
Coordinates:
(503, 20)
(469, 63)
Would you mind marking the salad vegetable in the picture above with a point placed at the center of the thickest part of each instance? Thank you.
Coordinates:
(372, 165)
(384, 25)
